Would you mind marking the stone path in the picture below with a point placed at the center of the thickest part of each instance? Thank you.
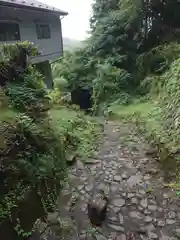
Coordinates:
(139, 202)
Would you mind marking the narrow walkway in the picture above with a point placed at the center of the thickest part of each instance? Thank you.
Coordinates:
(139, 202)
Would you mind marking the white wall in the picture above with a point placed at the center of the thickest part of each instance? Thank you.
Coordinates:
(27, 24)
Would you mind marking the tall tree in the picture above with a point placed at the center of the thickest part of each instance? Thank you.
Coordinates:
(114, 31)
(161, 19)
(100, 10)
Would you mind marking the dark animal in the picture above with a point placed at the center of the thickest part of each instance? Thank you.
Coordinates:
(97, 208)
(82, 98)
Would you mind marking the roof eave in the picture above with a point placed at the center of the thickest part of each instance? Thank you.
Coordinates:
(60, 13)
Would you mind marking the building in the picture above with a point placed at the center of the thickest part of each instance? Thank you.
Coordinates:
(30, 20)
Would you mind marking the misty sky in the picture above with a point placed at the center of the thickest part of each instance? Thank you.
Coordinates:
(76, 24)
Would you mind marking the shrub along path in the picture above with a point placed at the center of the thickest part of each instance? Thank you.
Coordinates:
(140, 205)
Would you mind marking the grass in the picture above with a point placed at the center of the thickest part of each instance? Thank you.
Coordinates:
(85, 130)
(146, 114)
(7, 115)
(63, 114)
(126, 111)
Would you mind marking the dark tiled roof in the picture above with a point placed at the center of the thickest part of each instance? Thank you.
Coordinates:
(32, 4)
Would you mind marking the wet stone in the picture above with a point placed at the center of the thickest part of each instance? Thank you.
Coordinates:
(130, 195)
(133, 180)
(152, 235)
(152, 207)
(89, 187)
(117, 178)
(101, 186)
(152, 202)
(147, 177)
(84, 207)
(114, 187)
(130, 204)
(144, 203)
(83, 178)
(164, 203)
(165, 196)
(116, 209)
(140, 208)
(82, 192)
(148, 219)
(82, 198)
(100, 237)
(171, 215)
(170, 221)
(113, 208)
(122, 237)
(112, 218)
(134, 201)
(142, 192)
(146, 212)
(123, 194)
(112, 235)
(121, 219)
(160, 210)
(80, 187)
(177, 230)
(124, 176)
(135, 214)
(119, 202)
(116, 228)
(161, 223)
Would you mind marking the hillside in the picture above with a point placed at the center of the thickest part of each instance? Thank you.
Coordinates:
(70, 44)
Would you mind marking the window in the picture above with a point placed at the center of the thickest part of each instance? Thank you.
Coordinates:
(9, 31)
(43, 31)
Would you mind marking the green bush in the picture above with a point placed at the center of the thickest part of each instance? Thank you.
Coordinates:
(169, 100)
(55, 96)
(157, 60)
(10, 51)
(77, 68)
(27, 93)
(109, 84)
(32, 153)
(80, 133)
(61, 83)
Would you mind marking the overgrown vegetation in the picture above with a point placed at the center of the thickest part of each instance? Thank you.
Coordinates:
(82, 133)
(37, 139)
(132, 54)
(32, 153)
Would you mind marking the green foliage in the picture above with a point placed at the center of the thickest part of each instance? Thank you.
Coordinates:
(28, 94)
(32, 153)
(158, 59)
(169, 101)
(112, 38)
(80, 134)
(10, 51)
(77, 68)
(109, 83)
(60, 83)
(38, 152)
(55, 96)
(135, 36)
(13, 60)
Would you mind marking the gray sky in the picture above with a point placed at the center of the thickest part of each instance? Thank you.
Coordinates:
(76, 24)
